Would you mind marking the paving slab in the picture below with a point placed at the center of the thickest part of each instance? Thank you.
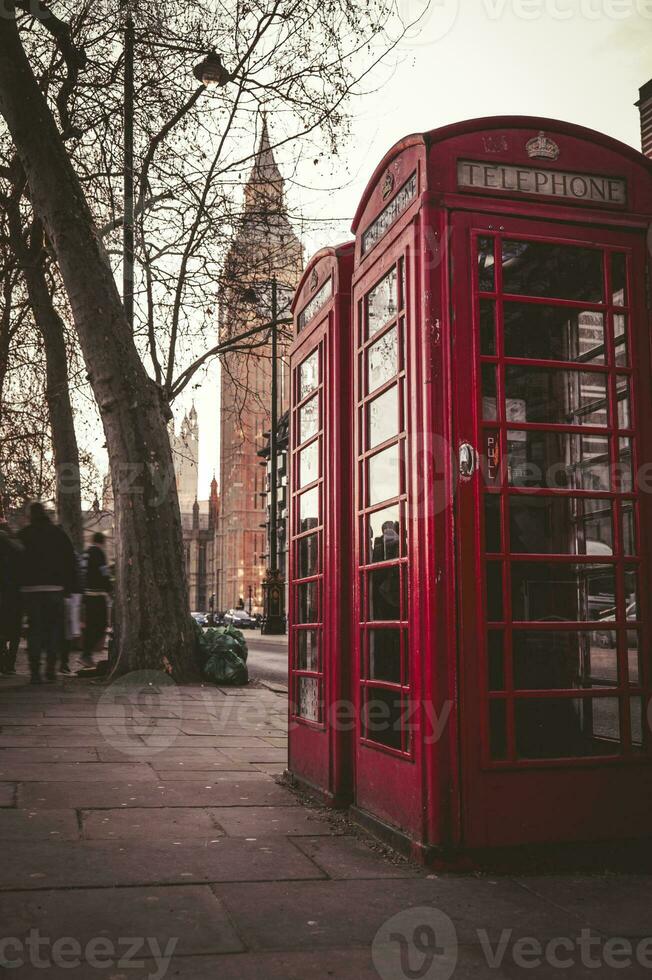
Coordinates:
(95, 864)
(69, 772)
(311, 915)
(347, 857)
(344, 964)
(34, 754)
(616, 905)
(149, 825)
(7, 794)
(258, 821)
(239, 770)
(271, 768)
(24, 825)
(192, 915)
(250, 792)
(57, 740)
(198, 757)
(258, 753)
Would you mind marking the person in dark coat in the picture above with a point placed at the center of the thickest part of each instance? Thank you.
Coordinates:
(11, 616)
(97, 588)
(47, 577)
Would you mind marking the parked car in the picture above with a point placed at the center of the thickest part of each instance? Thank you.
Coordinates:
(200, 618)
(240, 618)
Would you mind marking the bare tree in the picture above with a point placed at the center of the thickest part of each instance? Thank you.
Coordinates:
(302, 59)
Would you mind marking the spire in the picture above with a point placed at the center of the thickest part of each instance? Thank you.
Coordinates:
(213, 506)
(265, 185)
(195, 515)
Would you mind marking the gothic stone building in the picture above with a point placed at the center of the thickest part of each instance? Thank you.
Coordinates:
(264, 246)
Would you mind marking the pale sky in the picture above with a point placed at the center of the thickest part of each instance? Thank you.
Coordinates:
(582, 61)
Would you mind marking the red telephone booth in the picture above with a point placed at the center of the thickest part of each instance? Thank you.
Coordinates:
(320, 441)
(501, 492)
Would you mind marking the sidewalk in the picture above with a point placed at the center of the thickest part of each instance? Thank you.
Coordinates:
(135, 823)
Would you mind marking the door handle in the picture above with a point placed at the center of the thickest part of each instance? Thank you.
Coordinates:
(467, 460)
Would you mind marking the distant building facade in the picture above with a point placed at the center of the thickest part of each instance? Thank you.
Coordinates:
(264, 247)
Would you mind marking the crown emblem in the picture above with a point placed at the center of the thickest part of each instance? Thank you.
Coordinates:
(388, 184)
(314, 279)
(541, 147)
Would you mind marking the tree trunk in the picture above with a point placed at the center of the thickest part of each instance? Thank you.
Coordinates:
(50, 325)
(152, 611)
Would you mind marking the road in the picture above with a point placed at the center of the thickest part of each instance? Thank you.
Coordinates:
(268, 658)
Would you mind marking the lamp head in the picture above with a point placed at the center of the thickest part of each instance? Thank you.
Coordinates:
(211, 71)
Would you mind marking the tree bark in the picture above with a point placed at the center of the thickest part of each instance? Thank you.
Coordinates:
(151, 601)
(50, 325)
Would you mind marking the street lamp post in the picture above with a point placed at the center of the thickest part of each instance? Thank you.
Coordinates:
(274, 586)
(128, 224)
(210, 72)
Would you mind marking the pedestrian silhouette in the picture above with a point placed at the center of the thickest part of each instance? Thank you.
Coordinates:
(47, 577)
(10, 600)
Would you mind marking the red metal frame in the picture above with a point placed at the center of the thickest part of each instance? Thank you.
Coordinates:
(494, 807)
(320, 754)
(442, 786)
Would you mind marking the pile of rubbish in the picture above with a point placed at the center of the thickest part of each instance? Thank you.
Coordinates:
(221, 654)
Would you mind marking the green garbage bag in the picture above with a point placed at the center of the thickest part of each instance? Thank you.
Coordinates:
(225, 666)
(239, 637)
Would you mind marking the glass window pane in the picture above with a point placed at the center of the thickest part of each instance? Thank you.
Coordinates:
(557, 728)
(492, 540)
(384, 593)
(636, 722)
(384, 716)
(487, 327)
(382, 303)
(494, 591)
(620, 339)
(633, 657)
(384, 475)
(385, 538)
(489, 393)
(631, 594)
(551, 591)
(625, 463)
(553, 333)
(308, 561)
(382, 360)
(619, 279)
(560, 525)
(309, 375)
(622, 394)
(557, 271)
(308, 600)
(558, 460)
(309, 420)
(486, 265)
(382, 418)
(547, 660)
(560, 397)
(307, 650)
(309, 699)
(496, 660)
(629, 527)
(385, 656)
(498, 729)
(309, 464)
(309, 510)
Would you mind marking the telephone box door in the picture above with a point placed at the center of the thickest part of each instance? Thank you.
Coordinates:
(552, 529)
